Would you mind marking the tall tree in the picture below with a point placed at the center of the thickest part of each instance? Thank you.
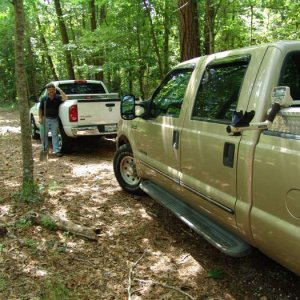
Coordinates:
(46, 49)
(98, 60)
(28, 182)
(147, 5)
(65, 39)
(189, 29)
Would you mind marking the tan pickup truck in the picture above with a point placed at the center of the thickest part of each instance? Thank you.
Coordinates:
(218, 143)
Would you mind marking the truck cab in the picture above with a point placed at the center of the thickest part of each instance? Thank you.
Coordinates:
(238, 190)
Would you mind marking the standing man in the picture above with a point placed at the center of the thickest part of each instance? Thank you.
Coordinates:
(52, 102)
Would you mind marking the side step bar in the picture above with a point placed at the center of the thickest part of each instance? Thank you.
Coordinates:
(222, 239)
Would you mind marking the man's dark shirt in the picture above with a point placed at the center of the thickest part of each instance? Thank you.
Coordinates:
(52, 106)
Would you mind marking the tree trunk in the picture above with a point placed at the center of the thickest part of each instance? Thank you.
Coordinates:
(211, 10)
(28, 182)
(166, 37)
(153, 36)
(141, 68)
(209, 27)
(46, 50)
(189, 31)
(31, 70)
(98, 59)
(65, 39)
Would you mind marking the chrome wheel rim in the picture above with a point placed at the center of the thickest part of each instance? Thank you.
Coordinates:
(128, 170)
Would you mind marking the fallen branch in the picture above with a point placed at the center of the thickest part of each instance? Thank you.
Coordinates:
(165, 286)
(130, 274)
(55, 223)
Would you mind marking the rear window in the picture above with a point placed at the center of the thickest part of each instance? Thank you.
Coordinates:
(82, 88)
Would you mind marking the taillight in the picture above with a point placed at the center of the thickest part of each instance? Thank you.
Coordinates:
(73, 113)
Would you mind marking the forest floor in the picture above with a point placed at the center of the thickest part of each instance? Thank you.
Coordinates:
(142, 248)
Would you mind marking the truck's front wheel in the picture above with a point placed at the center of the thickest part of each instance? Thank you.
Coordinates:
(125, 170)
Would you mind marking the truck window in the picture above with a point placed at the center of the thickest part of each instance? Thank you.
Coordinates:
(290, 74)
(82, 88)
(219, 89)
(167, 99)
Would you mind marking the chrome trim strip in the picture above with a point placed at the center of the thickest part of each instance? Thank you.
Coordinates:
(179, 182)
(160, 172)
(209, 199)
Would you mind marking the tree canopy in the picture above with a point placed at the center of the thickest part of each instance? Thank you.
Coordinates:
(130, 44)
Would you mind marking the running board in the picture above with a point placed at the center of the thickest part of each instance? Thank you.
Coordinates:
(222, 239)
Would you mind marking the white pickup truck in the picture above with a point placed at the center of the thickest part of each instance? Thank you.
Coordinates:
(90, 110)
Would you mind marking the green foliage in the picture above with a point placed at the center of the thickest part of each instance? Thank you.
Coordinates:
(29, 193)
(23, 224)
(53, 186)
(215, 274)
(31, 244)
(122, 44)
(55, 290)
(48, 223)
(3, 282)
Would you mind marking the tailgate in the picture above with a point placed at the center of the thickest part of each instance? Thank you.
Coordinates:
(98, 111)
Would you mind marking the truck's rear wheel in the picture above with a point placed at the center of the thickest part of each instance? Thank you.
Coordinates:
(65, 141)
(125, 170)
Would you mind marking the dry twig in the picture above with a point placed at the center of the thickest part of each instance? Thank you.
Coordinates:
(165, 286)
(130, 274)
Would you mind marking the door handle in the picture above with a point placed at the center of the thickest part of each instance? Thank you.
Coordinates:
(228, 155)
(175, 141)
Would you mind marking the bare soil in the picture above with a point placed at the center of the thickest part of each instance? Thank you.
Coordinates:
(142, 248)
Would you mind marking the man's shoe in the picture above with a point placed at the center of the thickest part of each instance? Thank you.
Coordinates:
(58, 154)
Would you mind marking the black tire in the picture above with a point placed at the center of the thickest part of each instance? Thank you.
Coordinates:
(125, 170)
(34, 130)
(65, 141)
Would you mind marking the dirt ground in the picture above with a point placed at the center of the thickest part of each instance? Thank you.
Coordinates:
(142, 249)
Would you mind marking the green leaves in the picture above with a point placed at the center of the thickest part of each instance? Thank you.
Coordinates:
(215, 274)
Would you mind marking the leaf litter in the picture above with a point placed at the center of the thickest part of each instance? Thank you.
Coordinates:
(142, 251)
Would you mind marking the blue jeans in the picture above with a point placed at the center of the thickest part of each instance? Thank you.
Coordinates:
(52, 125)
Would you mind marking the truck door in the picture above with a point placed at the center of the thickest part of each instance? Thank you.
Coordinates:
(156, 138)
(208, 154)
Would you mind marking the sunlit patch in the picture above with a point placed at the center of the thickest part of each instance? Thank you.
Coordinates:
(34, 271)
(5, 209)
(90, 169)
(162, 264)
(9, 129)
(144, 214)
(187, 266)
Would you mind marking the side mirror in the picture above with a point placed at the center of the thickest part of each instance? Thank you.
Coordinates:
(128, 107)
(281, 98)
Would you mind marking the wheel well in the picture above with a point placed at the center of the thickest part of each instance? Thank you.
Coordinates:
(122, 140)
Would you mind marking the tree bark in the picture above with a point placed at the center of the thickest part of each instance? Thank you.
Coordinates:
(141, 68)
(209, 27)
(98, 59)
(55, 223)
(31, 70)
(153, 36)
(166, 37)
(28, 181)
(46, 50)
(65, 39)
(189, 31)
